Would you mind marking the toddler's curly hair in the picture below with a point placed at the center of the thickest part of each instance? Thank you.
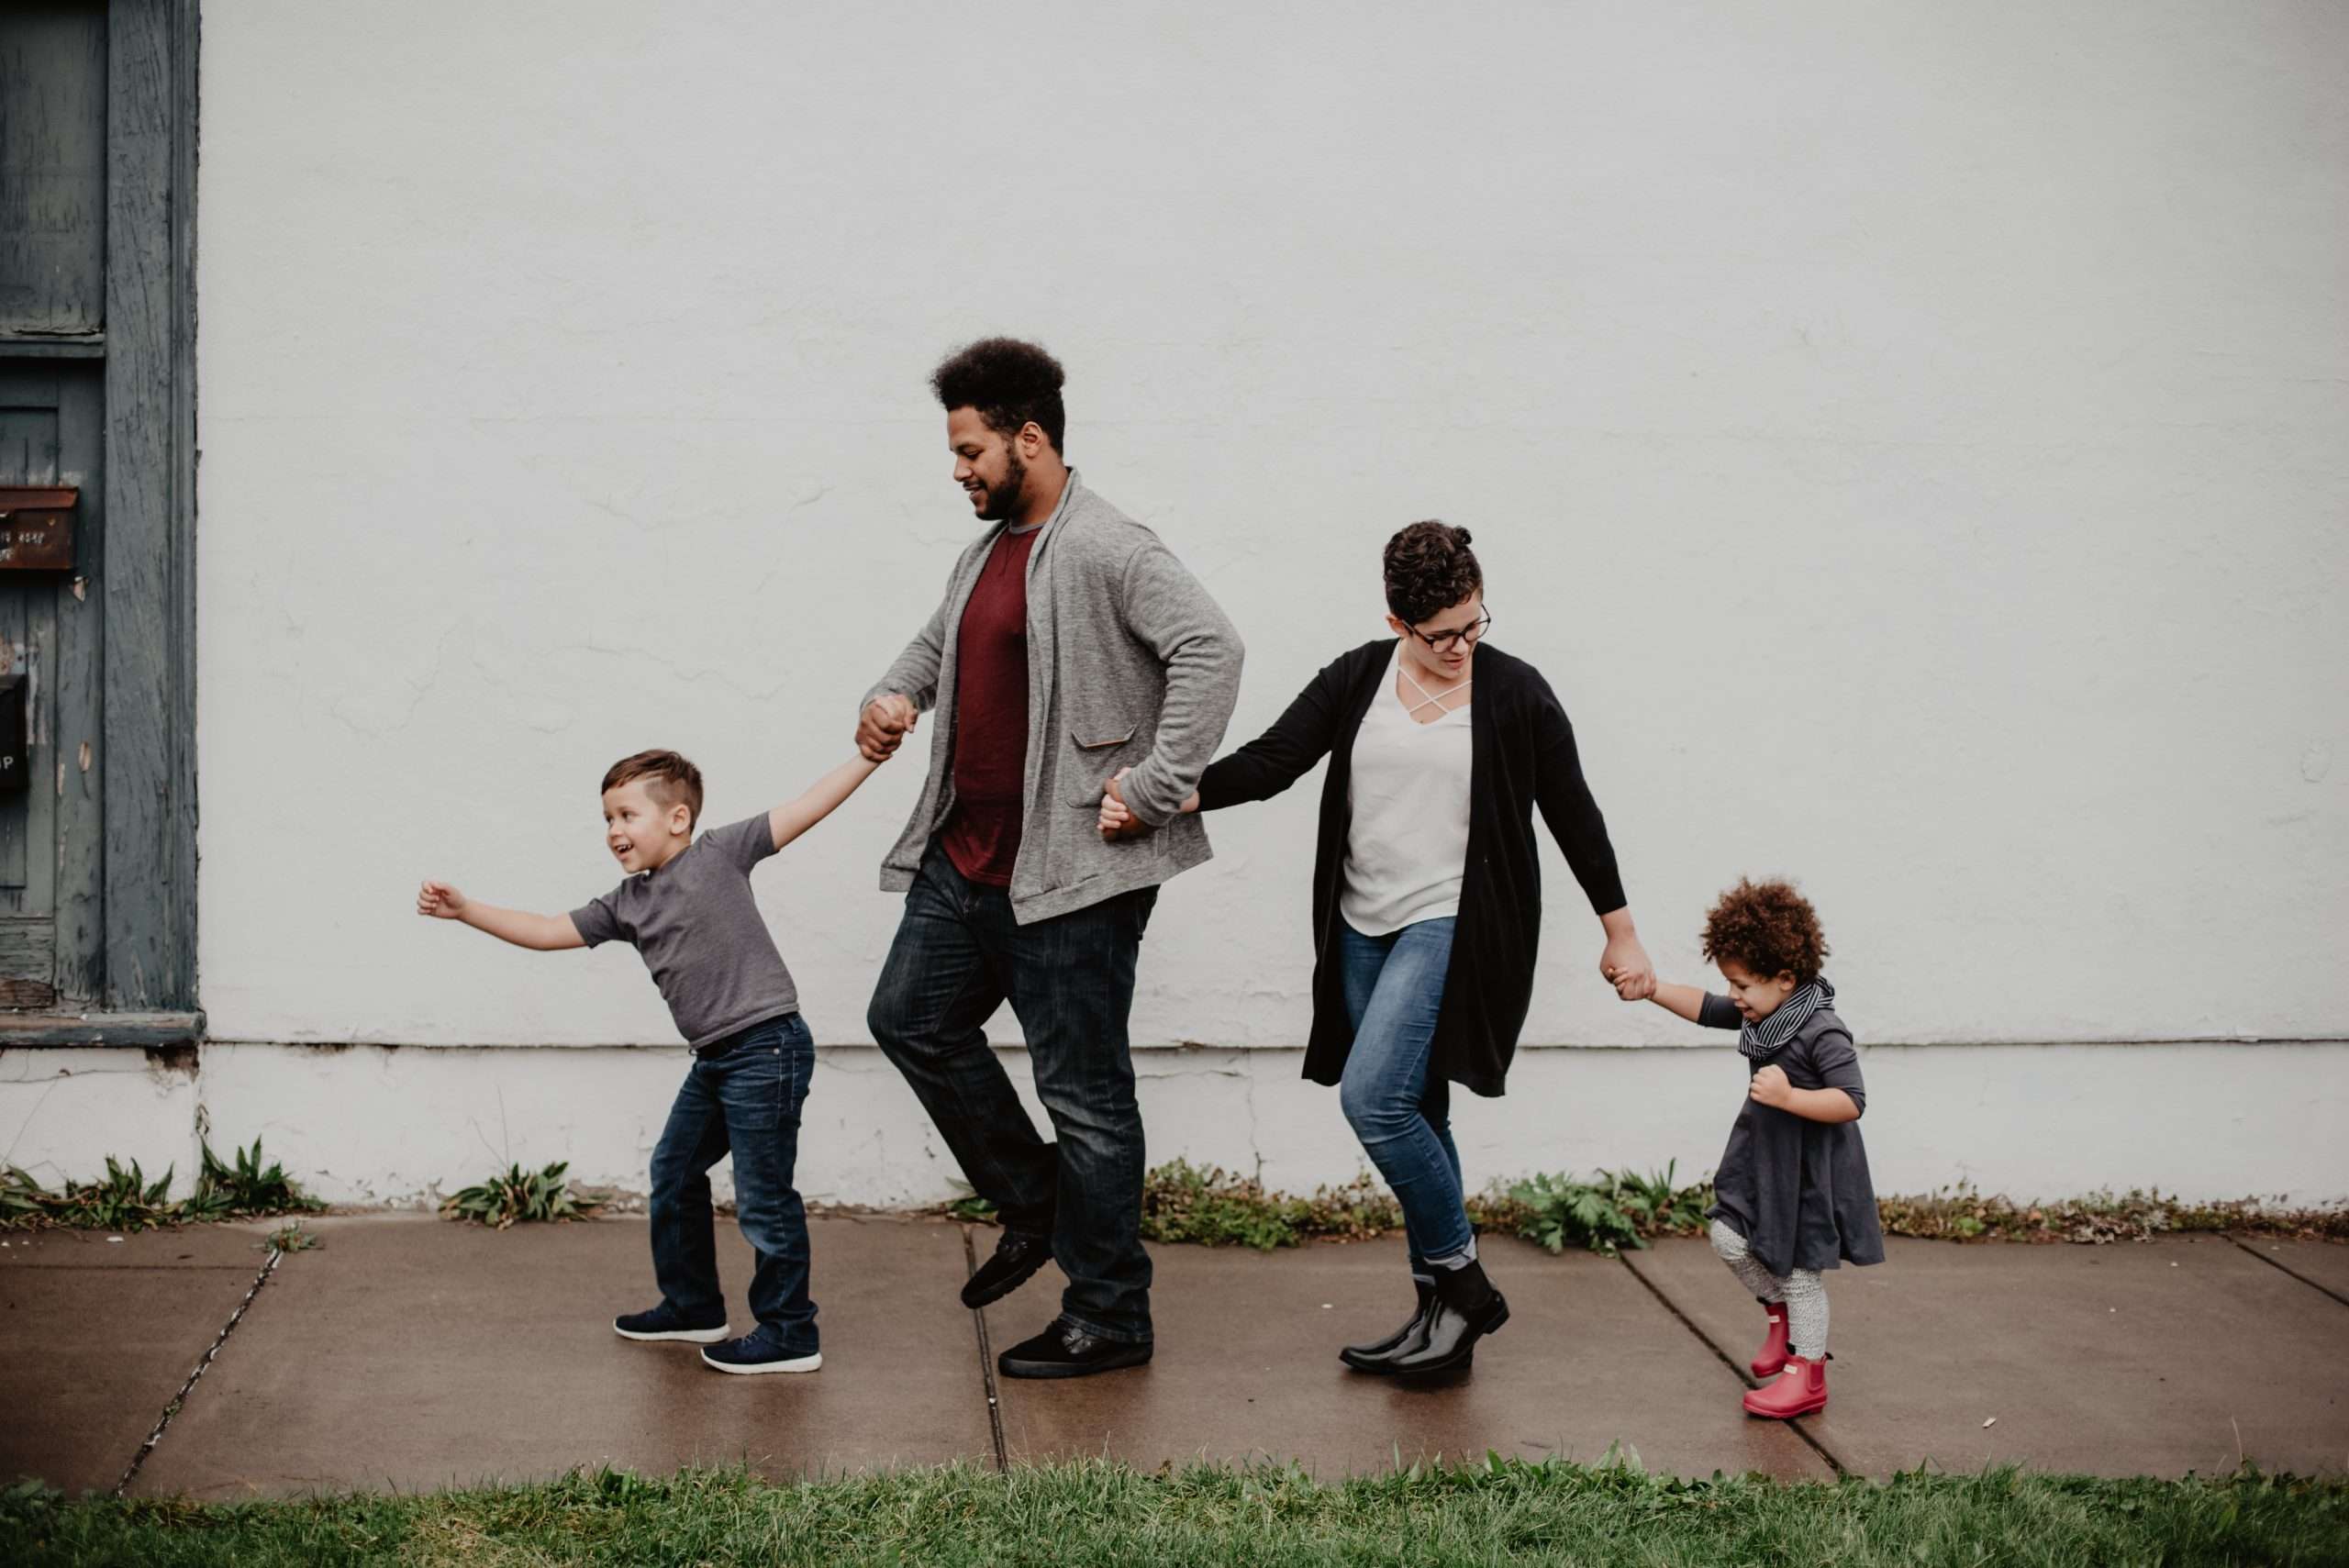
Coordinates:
(1767, 927)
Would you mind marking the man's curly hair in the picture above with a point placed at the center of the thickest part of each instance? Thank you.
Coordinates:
(1429, 568)
(1768, 929)
(1009, 382)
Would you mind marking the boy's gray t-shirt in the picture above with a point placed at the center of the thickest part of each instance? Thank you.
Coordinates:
(698, 930)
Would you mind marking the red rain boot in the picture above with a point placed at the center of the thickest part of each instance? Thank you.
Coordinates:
(1771, 1358)
(1799, 1390)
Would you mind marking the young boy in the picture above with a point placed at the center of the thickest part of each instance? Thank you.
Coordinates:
(686, 907)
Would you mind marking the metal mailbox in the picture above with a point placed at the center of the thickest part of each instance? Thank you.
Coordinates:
(36, 527)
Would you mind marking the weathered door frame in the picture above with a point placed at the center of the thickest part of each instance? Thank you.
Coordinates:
(148, 736)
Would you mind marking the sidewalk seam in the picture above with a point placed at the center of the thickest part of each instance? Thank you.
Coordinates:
(1736, 1371)
(179, 1400)
(2278, 1264)
(986, 1359)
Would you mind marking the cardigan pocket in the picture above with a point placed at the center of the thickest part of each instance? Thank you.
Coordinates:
(1097, 752)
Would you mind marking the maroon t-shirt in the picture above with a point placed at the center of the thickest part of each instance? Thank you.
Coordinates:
(982, 837)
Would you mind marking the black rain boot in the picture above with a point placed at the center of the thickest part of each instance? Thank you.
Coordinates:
(1380, 1355)
(1467, 1308)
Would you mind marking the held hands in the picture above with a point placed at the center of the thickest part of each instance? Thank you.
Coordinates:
(1117, 820)
(884, 726)
(1770, 1087)
(1636, 988)
(1625, 966)
(440, 901)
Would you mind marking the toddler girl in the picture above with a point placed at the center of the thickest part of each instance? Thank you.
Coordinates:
(1792, 1195)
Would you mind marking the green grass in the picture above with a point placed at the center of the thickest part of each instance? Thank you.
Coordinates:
(1098, 1513)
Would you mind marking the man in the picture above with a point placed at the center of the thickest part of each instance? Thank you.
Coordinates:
(1071, 646)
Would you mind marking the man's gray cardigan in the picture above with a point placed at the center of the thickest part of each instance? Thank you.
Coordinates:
(1131, 664)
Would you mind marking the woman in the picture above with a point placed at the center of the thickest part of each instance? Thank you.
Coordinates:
(1427, 898)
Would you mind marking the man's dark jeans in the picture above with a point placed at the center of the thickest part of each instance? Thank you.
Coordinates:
(742, 1096)
(958, 956)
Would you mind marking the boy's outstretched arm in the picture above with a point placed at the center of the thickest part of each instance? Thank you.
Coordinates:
(539, 933)
(794, 817)
(1685, 1001)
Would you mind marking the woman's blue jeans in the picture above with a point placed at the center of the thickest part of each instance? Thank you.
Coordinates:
(1402, 1112)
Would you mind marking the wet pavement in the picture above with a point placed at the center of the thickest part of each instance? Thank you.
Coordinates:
(97, 1336)
(407, 1353)
(2188, 1354)
(1247, 1367)
(412, 1353)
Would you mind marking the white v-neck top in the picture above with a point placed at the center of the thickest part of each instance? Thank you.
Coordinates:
(1407, 846)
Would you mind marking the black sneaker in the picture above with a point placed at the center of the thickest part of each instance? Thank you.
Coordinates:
(1066, 1350)
(664, 1322)
(1017, 1255)
(759, 1350)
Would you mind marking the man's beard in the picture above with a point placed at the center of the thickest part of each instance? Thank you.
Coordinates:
(1003, 500)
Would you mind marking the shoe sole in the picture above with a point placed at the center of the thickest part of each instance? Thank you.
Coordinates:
(1009, 1368)
(977, 1299)
(1807, 1409)
(682, 1336)
(797, 1363)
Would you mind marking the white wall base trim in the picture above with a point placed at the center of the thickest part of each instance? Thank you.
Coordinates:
(398, 1125)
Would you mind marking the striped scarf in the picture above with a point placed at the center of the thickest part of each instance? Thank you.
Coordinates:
(1761, 1042)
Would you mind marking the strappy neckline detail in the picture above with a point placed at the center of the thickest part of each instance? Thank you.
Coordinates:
(1411, 709)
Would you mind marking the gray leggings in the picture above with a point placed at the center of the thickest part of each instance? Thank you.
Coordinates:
(1803, 1291)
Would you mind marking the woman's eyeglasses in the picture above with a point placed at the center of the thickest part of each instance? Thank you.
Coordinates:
(1445, 641)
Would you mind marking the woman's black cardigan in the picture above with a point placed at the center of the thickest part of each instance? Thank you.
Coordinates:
(1523, 752)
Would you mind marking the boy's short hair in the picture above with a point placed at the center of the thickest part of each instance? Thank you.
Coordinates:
(1009, 383)
(1429, 569)
(1768, 929)
(668, 779)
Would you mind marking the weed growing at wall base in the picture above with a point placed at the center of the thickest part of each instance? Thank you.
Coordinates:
(1961, 1214)
(124, 1200)
(1182, 1202)
(1615, 1209)
(517, 1196)
(246, 1187)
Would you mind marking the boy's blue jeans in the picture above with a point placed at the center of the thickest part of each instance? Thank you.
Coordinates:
(1394, 988)
(745, 1101)
(958, 956)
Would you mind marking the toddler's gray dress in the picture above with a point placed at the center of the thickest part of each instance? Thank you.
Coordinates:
(1798, 1190)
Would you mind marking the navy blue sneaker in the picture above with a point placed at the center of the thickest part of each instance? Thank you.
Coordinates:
(761, 1350)
(664, 1322)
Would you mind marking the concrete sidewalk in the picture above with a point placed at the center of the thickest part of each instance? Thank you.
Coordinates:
(409, 1352)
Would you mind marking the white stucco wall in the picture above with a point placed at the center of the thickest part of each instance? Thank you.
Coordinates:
(1914, 440)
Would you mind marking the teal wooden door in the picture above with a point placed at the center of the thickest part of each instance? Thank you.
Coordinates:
(53, 84)
(52, 831)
